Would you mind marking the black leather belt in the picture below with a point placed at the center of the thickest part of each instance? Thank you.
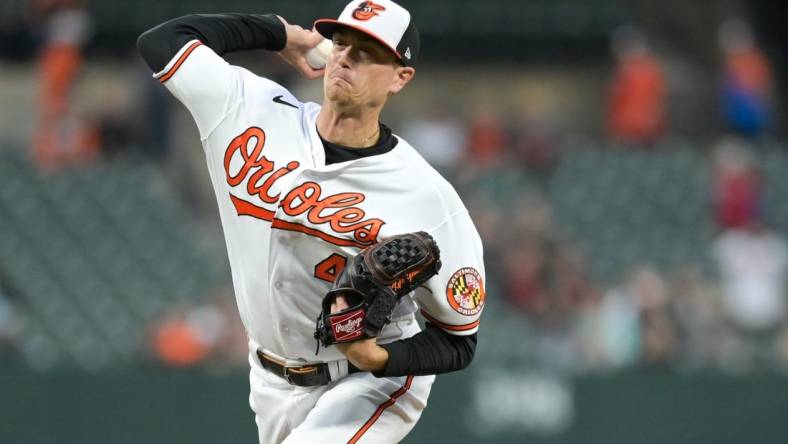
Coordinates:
(304, 376)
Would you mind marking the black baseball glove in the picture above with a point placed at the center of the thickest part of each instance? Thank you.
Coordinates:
(372, 283)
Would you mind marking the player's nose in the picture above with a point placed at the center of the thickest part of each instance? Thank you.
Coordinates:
(342, 56)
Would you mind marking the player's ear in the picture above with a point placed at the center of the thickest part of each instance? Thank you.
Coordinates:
(402, 76)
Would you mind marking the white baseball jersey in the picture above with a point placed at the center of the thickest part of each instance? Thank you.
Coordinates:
(291, 222)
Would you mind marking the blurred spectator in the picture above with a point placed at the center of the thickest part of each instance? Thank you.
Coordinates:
(8, 327)
(657, 326)
(179, 341)
(751, 259)
(60, 137)
(525, 277)
(115, 121)
(527, 261)
(752, 264)
(631, 323)
(705, 336)
(571, 285)
(487, 140)
(636, 101)
(136, 119)
(736, 189)
(608, 333)
(440, 136)
(151, 115)
(534, 147)
(747, 80)
(554, 344)
(203, 334)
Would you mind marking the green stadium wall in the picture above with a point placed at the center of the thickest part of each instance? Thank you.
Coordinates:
(476, 406)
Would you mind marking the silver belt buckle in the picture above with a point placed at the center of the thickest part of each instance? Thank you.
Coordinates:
(286, 374)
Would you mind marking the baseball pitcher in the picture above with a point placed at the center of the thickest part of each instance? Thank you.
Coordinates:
(338, 232)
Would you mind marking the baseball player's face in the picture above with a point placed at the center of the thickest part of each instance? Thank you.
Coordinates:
(361, 73)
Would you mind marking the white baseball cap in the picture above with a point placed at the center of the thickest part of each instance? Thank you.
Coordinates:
(385, 21)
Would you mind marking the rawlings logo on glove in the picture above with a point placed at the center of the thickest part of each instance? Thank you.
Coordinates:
(348, 327)
(372, 283)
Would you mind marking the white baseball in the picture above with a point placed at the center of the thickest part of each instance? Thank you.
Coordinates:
(317, 56)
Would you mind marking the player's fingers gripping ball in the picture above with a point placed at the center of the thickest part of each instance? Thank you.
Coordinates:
(318, 56)
(372, 283)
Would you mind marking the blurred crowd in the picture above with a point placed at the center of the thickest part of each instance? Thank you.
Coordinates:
(728, 315)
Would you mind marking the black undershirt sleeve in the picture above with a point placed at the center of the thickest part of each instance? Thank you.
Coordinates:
(430, 352)
(222, 33)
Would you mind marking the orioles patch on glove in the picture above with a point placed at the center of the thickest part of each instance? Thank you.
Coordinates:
(372, 283)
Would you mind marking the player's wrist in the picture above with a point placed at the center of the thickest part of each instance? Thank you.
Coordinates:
(366, 355)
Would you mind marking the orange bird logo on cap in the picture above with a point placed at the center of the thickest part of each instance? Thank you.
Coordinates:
(367, 10)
